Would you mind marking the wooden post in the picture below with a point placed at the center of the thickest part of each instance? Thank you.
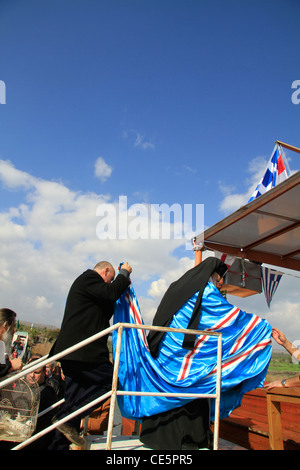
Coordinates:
(276, 396)
(274, 419)
(130, 427)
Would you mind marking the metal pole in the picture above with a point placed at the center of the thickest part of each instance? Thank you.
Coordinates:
(105, 332)
(59, 355)
(166, 394)
(113, 393)
(52, 407)
(114, 389)
(218, 394)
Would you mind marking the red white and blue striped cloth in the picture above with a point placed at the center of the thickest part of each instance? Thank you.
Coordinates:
(246, 352)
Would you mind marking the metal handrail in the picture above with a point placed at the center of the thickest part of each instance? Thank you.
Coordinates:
(114, 392)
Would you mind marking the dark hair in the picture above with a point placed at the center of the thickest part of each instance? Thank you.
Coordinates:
(7, 316)
(34, 358)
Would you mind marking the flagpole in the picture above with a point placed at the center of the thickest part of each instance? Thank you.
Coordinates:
(287, 146)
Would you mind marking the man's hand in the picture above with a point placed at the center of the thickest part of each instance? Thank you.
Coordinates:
(16, 364)
(278, 336)
(127, 267)
(276, 383)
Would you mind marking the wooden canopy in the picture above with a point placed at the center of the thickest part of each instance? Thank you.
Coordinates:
(266, 230)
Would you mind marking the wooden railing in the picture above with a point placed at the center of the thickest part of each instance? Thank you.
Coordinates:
(277, 399)
(265, 420)
(114, 391)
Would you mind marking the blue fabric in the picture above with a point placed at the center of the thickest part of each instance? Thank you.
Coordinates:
(246, 352)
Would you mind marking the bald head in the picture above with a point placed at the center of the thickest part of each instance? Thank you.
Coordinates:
(105, 270)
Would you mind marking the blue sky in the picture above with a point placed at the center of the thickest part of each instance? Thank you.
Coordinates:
(181, 101)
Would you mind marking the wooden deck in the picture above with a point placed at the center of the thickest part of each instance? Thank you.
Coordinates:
(264, 421)
(132, 443)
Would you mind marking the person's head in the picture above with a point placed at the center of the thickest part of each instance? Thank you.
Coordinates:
(105, 270)
(50, 369)
(8, 320)
(37, 375)
(217, 278)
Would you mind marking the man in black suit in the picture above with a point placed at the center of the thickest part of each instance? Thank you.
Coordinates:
(88, 371)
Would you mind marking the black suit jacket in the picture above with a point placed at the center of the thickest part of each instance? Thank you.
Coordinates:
(89, 307)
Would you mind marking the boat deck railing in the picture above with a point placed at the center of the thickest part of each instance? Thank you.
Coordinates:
(114, 390)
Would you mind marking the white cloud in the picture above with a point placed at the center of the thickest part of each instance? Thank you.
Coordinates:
(102, 169)
(233, 200)
(190, 169)
(40, 302)
(49, 238)
(139, 140)
(13, 178)
(46, 241)
(142, 143)
(158, 288)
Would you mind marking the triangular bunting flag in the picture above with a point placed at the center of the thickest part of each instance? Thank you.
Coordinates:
(270, 280)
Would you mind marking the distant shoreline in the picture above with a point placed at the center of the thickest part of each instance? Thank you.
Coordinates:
(39, 325)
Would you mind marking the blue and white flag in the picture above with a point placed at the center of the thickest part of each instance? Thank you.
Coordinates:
(276, 172)
(270, 280)
(246, 352)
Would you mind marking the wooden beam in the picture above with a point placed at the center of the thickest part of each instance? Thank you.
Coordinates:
(274, 419)
(276, 234)
(250, 207)
(253, 255)
(291, 254)
(275, 397)
(287, 146)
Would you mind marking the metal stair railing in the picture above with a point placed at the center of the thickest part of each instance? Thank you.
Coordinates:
(114, 392)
